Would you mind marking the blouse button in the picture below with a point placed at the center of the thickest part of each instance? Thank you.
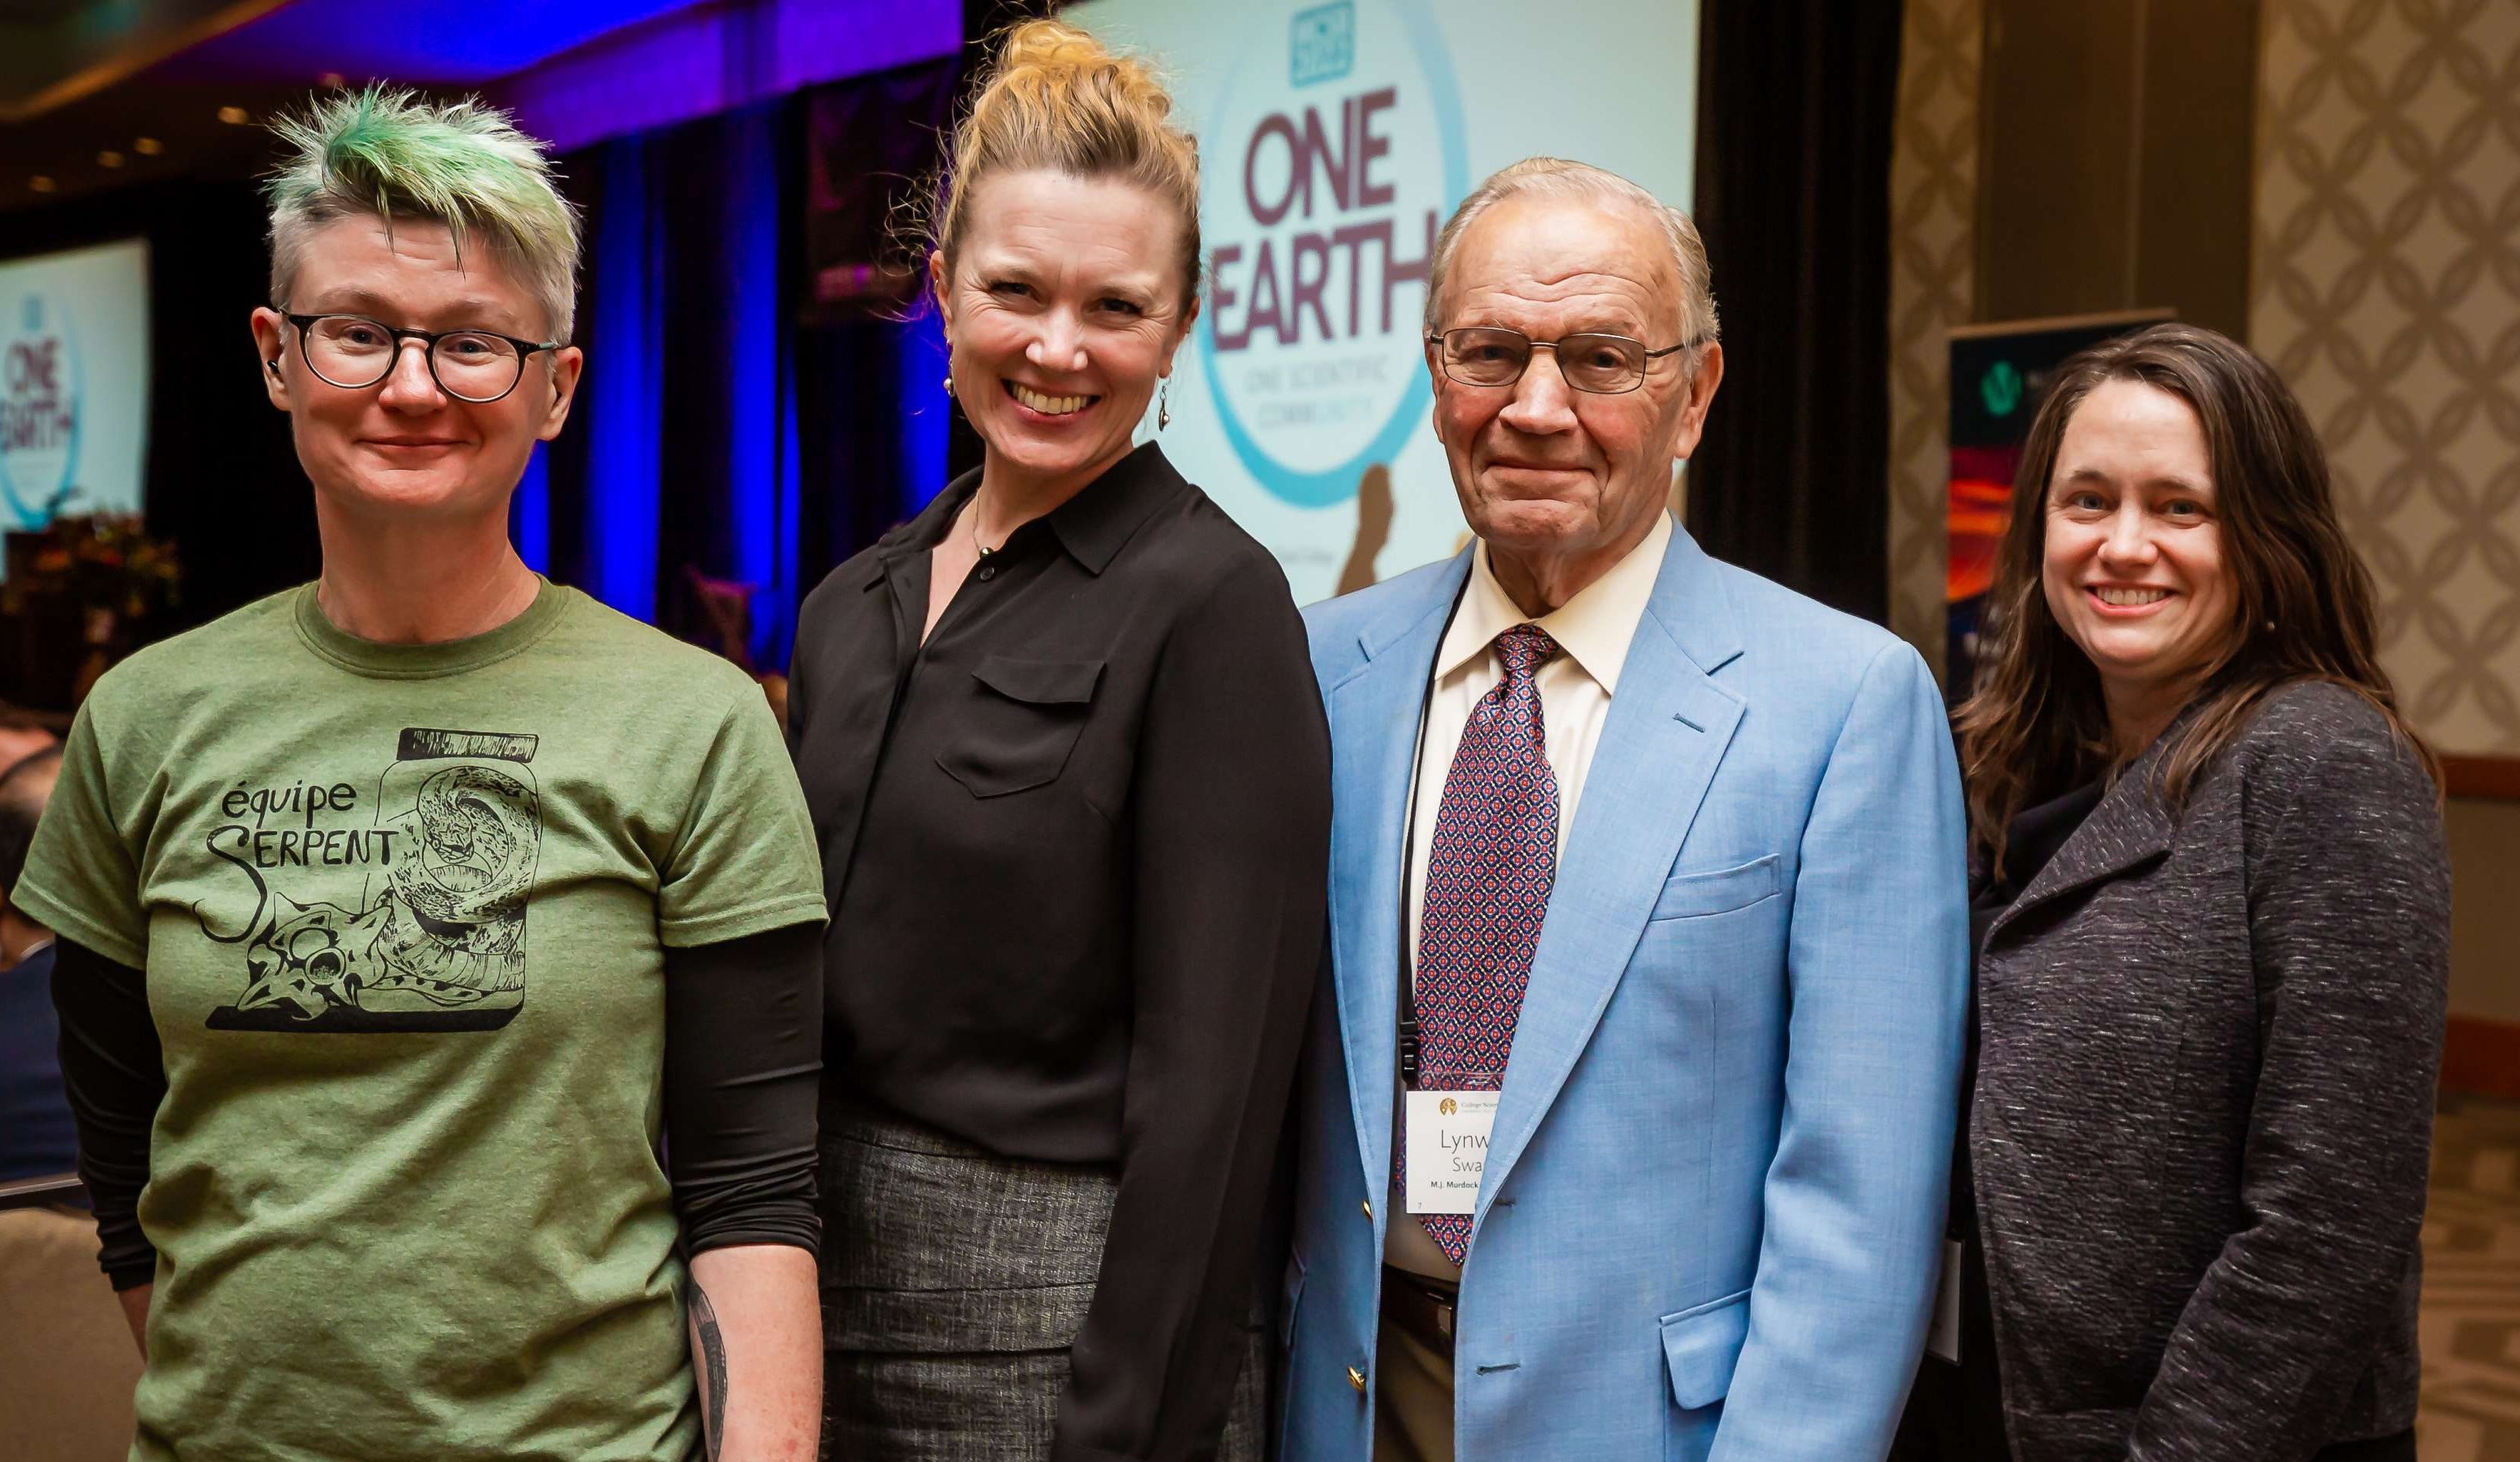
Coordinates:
(988, 572)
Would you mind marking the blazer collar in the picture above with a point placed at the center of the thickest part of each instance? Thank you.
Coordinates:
(1688, 599)
(1406, 625)
(2131, 826)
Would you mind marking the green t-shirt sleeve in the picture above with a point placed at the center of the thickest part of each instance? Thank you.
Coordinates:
(82, 878)
(745, 862)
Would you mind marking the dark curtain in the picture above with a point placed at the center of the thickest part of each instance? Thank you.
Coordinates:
(863, 432)
(223, 479)
(852, 378)
(872, 151)
(1795, 107)
(735, 426)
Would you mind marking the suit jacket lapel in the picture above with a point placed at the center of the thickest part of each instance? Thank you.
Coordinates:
(1374, 718)
(1668, 728)
(2131, 826)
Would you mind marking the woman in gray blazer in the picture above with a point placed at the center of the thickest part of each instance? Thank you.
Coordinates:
(2212, 917)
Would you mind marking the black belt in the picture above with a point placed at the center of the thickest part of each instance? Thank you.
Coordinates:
(1424, 1307)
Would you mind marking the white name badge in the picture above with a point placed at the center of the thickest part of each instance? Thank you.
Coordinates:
(1448, 1149)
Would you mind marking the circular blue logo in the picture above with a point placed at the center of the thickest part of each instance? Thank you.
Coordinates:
(1316, 59)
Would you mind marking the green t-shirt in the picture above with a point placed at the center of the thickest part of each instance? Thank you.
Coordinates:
(403, 912)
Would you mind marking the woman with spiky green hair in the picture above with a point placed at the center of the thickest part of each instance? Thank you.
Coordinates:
(439, 963)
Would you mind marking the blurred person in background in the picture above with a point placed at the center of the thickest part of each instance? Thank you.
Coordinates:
(24, 733)
(1072, 780)
(2211, 905)
(36, 1137)
(403, 915)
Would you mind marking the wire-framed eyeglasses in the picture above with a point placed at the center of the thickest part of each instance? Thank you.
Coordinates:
(1603, 364)
(356, 352)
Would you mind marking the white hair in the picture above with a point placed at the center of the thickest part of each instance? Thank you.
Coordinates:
(1557, 177)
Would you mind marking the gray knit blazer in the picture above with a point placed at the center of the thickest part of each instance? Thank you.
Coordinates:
(2203, 1112)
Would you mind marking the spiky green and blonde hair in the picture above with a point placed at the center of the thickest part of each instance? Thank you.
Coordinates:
(388, 153)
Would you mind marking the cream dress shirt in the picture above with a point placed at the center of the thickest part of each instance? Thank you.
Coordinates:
(1593, 630)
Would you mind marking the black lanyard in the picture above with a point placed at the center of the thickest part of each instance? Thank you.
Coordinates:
(1408, 1027)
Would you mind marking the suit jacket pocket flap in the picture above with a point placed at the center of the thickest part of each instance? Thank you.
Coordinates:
(1701, 1344)
(1040, 683)
(1686, 895)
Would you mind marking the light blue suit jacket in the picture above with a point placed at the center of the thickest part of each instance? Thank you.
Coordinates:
(1711, 1217)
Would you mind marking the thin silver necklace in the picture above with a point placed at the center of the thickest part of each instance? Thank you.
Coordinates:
(981, 549)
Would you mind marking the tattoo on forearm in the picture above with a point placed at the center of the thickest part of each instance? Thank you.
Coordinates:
(708, 1350)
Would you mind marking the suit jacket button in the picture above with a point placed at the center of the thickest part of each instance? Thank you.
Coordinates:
(1368, 1206)
(1356, 1378)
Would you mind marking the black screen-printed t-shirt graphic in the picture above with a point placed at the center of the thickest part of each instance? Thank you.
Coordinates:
(403, 913)
(415, 921)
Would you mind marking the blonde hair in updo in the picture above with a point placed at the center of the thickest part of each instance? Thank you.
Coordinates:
(1058, 99)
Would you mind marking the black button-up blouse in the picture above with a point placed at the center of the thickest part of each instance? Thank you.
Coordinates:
(1076, 848)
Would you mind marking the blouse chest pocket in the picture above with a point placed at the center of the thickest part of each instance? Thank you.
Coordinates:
(1020, 723)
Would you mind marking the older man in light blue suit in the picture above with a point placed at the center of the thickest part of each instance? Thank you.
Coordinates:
(1671, 861)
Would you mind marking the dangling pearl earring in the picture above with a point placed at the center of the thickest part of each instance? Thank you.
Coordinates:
(1165, 406)
(949, 383)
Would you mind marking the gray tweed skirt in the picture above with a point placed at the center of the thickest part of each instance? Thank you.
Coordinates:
(954, 1282)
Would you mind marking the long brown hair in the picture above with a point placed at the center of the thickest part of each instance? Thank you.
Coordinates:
(2036, 723)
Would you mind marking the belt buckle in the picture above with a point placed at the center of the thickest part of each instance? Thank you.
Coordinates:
(1444, 1318)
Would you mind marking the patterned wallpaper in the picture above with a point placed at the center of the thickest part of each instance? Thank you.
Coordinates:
(1933, 240)
(2385, 284)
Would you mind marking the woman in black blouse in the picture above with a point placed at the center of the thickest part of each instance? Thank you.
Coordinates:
(2211, 917)
(1070, 776)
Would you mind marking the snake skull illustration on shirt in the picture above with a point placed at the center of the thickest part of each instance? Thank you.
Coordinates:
(423, 909)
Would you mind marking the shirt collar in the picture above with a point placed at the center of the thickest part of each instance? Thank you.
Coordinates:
(1095, 522)
(1092, 526)
(1594, 628)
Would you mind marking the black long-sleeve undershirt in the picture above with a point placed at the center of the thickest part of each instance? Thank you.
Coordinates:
(744, 1022)
(744, 1067)
(115, 1076)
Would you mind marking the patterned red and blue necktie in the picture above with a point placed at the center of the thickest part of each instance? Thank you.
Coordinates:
(1487, 890)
